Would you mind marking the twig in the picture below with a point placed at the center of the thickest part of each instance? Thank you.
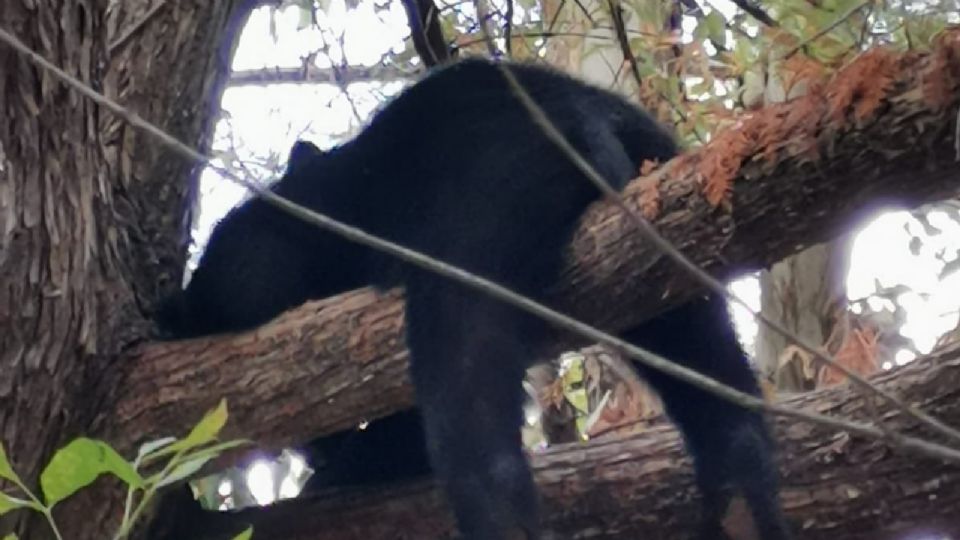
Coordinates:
(585, 11)
(508, 29)
(546, 35)
(620, 29)
(425, 31)
(556, 16)
(756, 12)
(483, 22)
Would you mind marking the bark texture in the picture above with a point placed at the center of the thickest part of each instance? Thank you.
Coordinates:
(835, 486)
(91, 218)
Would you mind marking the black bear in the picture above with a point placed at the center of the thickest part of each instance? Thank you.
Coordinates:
(455, 167)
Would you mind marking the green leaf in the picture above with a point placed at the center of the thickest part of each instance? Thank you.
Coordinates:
(11, 536)
(207, 453)
(716, 27)
(245, 535)
(206, 430)
(78, 464)
(701, 30)
(6, 470)
(211, 450)
(744, 54)
(217, 449)
(578, 398)
(9, 502)
(149, 447)
(182, 471)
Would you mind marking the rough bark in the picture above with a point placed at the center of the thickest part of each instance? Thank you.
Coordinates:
(53, 325)
(834, 485)
(88, 210)
(779, 206)
(342, 359)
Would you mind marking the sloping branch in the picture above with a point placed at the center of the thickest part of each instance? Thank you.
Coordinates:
(787, 177)
(834, 485)
(314, 75)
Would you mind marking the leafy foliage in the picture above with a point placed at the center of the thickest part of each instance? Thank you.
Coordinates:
(83, 460)
(78, 464)
(694, 64)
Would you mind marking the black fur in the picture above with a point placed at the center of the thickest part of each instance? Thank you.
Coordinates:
(387, 450)
(454, 167)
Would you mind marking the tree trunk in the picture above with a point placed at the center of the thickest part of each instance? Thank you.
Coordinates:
(804, 294)
(94, 214)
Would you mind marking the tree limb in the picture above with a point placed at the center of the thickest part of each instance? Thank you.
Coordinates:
(315, 75)
(834, 485)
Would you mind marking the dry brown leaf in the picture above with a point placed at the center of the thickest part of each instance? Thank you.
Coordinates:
(861, 87)
(858, 353)
(721, 164)
(649, 195)
(943, 79)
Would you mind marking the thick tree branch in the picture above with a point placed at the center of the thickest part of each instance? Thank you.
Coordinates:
(642, 486)
(324, 357)
(780, 180)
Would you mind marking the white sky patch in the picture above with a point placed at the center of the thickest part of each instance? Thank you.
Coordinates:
(748, 289)
(260, 482)
(881, 256)
(367, 35)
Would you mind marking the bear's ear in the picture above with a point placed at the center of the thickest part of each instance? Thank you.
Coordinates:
(301, 154)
